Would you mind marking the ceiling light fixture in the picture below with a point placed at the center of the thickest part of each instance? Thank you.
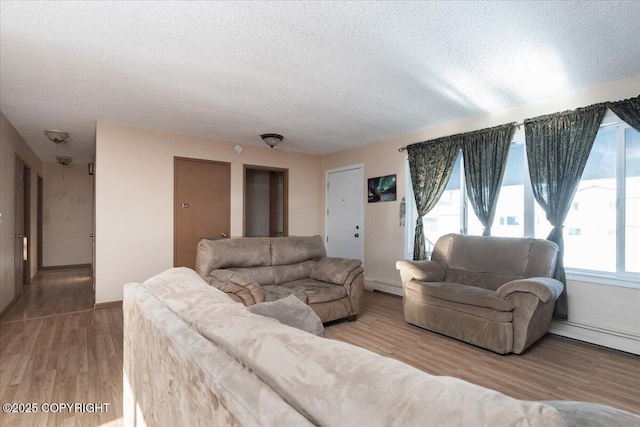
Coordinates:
(64, 160)
(271, 139)
(57, 136)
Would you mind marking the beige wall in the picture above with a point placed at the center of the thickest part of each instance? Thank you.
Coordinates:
(384, 239)
(134, 198)
(12, 144)
(67, 216)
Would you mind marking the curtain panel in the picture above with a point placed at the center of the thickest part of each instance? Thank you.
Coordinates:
(485, 155)
(628, 110)
(558, 146)
(430, 165)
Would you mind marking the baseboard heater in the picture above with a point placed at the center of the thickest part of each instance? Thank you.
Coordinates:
(385, 287)
(598, 335)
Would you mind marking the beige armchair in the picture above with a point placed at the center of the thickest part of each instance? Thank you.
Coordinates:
(493, 292)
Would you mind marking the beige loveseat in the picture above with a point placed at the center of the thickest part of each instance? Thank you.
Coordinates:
(194, 357)
(257, 269)
(493, 292)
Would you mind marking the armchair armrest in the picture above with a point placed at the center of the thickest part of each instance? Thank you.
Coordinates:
(424, 271)
(545, 288)
(239, 287)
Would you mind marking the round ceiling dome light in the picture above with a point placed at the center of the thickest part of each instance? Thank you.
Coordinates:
(271, 139)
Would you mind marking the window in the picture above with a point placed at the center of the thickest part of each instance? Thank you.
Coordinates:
(602, 228)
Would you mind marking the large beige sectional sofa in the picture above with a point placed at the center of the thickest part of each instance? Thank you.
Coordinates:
(493, 292)
(195, 357)
(257, 269)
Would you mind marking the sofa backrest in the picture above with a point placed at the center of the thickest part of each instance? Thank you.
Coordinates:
(295, 249)
(225, 253)
(262, 254)
(489, 262)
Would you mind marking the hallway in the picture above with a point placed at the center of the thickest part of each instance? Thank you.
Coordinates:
(54, 292)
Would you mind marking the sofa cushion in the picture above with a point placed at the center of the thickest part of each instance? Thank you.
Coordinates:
(317, 291)
(261, 275)
(583, 414)
(288, 273)
(276, 292)
(334, 270)
(294, 249)
(238, 252)
(292, 312)
(463, 294)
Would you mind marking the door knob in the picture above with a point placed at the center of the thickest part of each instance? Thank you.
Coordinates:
(19, 236)
(224, 234)
(356, 235)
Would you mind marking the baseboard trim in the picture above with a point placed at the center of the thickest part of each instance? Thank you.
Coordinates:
(110, 304)
(8, 307)
(62, 267)
(597, 335)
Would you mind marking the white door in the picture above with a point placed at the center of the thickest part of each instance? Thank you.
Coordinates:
(344, 210)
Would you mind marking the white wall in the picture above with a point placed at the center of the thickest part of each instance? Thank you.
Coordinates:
(611, 308)
(67, 215)
(12, 144)
(134, 198)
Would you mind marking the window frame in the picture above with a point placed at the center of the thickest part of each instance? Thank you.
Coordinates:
(619, 278)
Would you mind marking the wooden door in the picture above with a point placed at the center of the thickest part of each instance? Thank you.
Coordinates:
(202, 206)
(18, 227)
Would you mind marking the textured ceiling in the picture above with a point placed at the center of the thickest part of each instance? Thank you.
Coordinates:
(326, 75)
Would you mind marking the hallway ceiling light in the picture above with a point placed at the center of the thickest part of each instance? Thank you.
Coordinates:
(64, 160)
(57, 136)
(271, 139)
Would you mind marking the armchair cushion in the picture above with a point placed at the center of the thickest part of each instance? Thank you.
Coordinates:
(545, 288)
(462, 294)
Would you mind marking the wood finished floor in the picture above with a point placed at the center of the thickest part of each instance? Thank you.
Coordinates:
(54, 292)
(77, 357)
(555, 368)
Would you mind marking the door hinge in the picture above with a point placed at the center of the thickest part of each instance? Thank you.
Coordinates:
(327, 212)
(327, 185)
(327, 239)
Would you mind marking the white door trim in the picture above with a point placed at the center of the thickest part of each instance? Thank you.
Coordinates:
(362, 194)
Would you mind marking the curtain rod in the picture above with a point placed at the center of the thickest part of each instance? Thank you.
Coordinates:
(401, 149)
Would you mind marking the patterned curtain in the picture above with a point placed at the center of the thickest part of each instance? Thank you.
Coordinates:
(485, 155)
(628, 110)
(430, 164)
(558, 146)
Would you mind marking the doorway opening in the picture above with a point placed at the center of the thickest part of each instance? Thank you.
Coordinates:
(266, 201)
